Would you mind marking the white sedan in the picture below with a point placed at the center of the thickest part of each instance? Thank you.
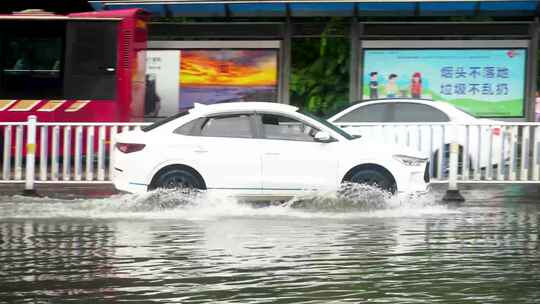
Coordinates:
(258, 150)
(484, 143)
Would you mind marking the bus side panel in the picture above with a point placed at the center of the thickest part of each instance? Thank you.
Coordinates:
(130, 61)
(91, 68)
(131, 66)
(66, 111)
(60, 110)
(139, 72)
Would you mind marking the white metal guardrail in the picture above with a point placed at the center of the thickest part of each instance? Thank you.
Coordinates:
(41, 152)
(489, 153)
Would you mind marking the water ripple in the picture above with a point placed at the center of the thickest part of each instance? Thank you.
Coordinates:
(327, 248)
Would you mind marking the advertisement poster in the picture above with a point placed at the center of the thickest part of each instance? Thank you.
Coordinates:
(215, 76)
(162, 78)
(182, 78)
(482, 82)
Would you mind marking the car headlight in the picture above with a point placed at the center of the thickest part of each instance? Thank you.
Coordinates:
(410, 160)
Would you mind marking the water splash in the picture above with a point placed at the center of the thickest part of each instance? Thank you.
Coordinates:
(350, 197)
(351, 201)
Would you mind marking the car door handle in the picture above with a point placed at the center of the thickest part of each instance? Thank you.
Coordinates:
(271, 153)
(200, 150)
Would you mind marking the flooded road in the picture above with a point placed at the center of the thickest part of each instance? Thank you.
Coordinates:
(159, 248)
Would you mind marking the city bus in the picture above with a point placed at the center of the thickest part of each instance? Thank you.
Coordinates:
(81, 67)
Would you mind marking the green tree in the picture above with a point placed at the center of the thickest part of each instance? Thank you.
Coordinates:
(320, 73)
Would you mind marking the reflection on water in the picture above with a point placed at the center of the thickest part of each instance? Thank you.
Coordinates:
(215, 250)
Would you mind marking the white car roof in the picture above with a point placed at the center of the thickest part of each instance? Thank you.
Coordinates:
(436, 104)
(447, 108)
(242, 106)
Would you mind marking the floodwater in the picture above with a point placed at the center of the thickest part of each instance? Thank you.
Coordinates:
(355, 248)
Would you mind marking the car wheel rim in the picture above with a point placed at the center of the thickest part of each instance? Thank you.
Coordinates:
(178, 182)
(367, 180)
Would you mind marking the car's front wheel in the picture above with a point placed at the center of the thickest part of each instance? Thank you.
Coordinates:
(177, 178)
(373, 177)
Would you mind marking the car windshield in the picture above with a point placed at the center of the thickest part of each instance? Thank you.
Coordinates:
(328, 124)
(163, 121)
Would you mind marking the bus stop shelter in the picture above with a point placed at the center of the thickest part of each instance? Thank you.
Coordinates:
(378, 31)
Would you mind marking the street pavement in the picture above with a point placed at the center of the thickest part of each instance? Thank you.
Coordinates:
(526, 193)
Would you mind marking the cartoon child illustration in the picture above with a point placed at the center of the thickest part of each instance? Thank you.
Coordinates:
(391, 86)
(373, 86)
(416, 85)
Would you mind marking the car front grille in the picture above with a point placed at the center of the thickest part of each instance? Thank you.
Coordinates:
(426, 173)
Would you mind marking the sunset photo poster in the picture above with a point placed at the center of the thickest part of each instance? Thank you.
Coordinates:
(224, 75)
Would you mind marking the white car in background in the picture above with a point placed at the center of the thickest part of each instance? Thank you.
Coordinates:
(483, 144)
(259, 150)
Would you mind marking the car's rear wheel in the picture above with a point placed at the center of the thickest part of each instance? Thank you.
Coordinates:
(177, 178)
(374, 177)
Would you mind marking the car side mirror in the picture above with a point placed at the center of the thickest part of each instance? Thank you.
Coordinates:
(323, 137)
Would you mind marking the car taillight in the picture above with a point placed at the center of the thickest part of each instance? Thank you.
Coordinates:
(496, 131)
(129, 148)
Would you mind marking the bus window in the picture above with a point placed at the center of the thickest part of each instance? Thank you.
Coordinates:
(91, 60)
(32, 61)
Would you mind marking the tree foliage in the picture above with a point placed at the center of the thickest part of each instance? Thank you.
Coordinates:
(320, 73)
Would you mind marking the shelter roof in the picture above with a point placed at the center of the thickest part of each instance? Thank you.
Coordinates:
(319, 8)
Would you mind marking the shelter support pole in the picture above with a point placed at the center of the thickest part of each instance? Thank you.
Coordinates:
(532, 70)
(285, 64)
(354, 77)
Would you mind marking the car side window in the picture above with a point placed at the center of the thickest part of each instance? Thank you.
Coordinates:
(237, 125)
(188, 128)
(413, 112)
(370, 113)
(286, 128)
